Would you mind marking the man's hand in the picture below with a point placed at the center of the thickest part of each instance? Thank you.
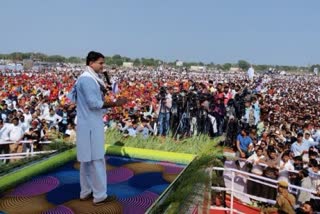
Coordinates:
(242, 155)
(121, 101)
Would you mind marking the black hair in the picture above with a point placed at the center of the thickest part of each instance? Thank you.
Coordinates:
(305, 172)
(271, 151)
(312, 205)
(245, 129)
(93, 56)
(312, 153)
(313, 163)
(286, 153)
(298, 158)
(259, 148)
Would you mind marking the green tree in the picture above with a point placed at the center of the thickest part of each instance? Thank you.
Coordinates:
(262, 67)
(148, 62)
(211, 65)
(56, 58)
(126, 59)
(40, 56)
(117, 60)
(16, 56)
(108, 60)
(4, 56)
(226, 66)
(314, 66)
(116, 57)
(219, 67)
(137, 62)
(244, 65)
(74, 59)
(26, 55)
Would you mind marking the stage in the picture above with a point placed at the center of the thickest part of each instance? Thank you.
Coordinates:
(137, 183)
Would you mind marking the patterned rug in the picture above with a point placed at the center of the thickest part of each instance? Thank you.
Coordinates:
(136, 183)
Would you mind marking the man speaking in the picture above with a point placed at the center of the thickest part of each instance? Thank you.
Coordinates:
(88, 94)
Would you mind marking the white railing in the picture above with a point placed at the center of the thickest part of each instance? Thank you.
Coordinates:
(251, 176)
(23, 154)
(28, 153)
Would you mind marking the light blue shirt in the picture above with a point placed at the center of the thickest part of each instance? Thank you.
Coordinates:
(90, 126)
(316, 136)
(131, 131)
(297, 148)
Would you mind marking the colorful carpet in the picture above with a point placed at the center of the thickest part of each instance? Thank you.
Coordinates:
(136, 183)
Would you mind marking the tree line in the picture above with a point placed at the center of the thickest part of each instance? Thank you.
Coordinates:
(117, 60)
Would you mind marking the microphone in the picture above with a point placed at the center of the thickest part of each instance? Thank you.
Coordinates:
(106, 76)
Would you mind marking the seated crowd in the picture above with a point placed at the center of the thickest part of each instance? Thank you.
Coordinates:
(278, 115)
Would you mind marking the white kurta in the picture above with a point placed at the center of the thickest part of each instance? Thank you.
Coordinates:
(90, 127)
(250, 73)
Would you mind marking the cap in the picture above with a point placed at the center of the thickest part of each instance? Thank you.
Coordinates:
(34, 122)
(307, 132)
(283, 184)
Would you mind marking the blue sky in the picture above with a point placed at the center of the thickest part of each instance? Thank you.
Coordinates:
(282, 32)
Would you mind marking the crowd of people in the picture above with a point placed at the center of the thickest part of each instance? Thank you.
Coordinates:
(284, 143)
(33, 108)
(271, 121)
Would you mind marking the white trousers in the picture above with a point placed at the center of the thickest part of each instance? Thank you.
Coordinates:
(93, 179)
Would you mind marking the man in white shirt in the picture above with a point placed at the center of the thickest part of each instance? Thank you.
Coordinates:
(44, 108)
(15, 134)
(251, 73)
(23, 124)
(314, 173)
(254, 187)
(27, 115)
(306, 183)
(46, 91)
(3, 131)
(71, 134)
(53, 119)
(4, 136)
(307, 137)
(285, 166)
(255, 160)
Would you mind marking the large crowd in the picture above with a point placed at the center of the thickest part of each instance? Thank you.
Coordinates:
(271, 121)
